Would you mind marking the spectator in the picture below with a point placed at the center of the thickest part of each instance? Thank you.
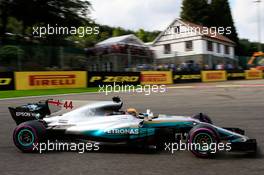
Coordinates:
(220, 66)
(229, 66)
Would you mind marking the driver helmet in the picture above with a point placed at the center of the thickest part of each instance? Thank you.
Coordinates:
(132, 111)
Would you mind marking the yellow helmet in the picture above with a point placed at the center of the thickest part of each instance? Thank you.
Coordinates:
(132, 111)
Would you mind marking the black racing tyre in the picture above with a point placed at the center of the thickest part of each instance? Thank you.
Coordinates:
(203, 140)
(203, 118)
(28, 135)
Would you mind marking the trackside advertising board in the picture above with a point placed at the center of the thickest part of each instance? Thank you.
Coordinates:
(214, 76)
(96, 79)
(156, 77)
(7, 81)
(187, 77)
(50, 80)
(236, 75)
(253, 74)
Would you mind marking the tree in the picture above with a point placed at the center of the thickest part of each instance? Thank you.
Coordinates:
(141, 34)
(221, 16)
(197, 11)
(118, 32)
(4, 14)
(217, 13)
(32, 12)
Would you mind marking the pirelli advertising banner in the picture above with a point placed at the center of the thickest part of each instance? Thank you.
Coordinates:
(254, 74)
(236, 75)
(96, 79)
(187, 77)
(156, 77)
(214, 76)
(7, 81)
(50, 80)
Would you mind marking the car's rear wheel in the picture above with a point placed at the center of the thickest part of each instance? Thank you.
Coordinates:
(28, 135)
(203, 140)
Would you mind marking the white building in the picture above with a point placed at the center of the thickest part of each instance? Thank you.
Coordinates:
(184, 41)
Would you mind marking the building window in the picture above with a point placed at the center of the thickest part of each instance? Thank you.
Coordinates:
(210, 46)
(188, 45)
(218, 48)
(167, 49)
(227, 50)
(177, 29)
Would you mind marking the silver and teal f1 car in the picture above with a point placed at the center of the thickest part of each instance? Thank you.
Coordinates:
(104, 122)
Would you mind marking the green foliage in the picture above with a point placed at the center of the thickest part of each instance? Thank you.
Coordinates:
(248, 48)
(35, 12)
(146, 36)
(9, 53)
(215, 14)
(14, 26)
(141, 34)
(197, 11)
(221, 17)
(118, 32)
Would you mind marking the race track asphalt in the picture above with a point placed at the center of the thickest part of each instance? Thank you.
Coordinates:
(230, 107)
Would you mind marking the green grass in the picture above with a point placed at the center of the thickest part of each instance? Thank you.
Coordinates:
(25, 93)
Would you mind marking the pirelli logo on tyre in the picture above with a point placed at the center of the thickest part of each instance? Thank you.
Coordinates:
(156, 77)
(105, 78)
(50, 80)
(254, 74)
(214, 76)
(7, 81)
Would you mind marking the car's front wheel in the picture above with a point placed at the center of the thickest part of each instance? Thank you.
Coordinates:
(203, 140)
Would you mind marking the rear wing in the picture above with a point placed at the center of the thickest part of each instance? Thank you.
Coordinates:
(31, 111)
(46, 108)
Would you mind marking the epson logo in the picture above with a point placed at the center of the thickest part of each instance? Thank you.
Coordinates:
(27, 114)
(122, 131)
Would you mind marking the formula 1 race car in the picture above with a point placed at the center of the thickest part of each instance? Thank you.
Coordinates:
(104, 122)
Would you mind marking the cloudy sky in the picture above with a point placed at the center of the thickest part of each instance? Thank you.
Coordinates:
(158, 14)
